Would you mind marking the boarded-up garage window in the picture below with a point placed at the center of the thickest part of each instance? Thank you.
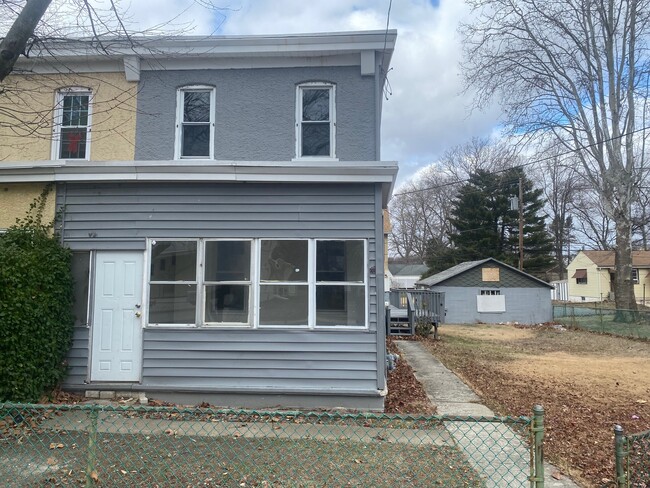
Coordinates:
(490, 303)
(490, 274)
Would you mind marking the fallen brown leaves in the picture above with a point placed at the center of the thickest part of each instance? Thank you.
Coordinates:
(405, 393)
(580, 415)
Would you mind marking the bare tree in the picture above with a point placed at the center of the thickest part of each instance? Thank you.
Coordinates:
(557, 177)
(578, 69)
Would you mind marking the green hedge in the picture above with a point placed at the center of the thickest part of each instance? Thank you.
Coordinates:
(36, 318)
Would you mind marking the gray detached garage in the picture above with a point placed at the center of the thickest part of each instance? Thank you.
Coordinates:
(490, 291)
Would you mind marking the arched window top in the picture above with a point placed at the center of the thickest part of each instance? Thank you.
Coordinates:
(195, 113)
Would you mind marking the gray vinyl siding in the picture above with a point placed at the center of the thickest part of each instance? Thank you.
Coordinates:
(77, 371)
(123, 215)
(259, 359)
(523, 305)
(255, 112)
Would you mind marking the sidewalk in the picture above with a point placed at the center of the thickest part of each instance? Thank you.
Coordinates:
(453, 397)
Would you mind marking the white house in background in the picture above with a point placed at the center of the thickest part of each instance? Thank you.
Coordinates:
(405, 275)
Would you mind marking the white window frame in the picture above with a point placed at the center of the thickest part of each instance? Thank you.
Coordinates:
(490, 292)
(58, 120)
(255, 285)
(332, 108)
(251, 286)
(635, 276)
(180, 109)
(196, 282)
(364, 284)
(308, 283)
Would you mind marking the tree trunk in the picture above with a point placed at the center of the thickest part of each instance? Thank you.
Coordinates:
(13, 45)
(623, 286)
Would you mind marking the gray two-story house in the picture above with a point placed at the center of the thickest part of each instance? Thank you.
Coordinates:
(238, 258)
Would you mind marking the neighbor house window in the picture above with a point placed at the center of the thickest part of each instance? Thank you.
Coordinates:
(635, 276)
(315, 120)
(173, 282)
(195, 122)
(580, 276)
(72, 116)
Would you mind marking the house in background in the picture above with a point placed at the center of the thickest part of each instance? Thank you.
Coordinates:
(404, 276)
(489, 291)
(225, 214)
(592, 274)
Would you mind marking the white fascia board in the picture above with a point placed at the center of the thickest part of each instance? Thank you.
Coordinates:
(200, 170)
(85, 55)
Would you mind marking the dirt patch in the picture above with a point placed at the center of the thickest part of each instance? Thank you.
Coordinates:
(586, 382)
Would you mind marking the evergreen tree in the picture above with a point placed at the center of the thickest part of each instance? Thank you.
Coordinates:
(485, 226)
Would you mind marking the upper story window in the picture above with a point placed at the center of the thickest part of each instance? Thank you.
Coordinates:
(580, 276)
(195, 109)
(72, 121)
(635, 276)
(316, 121)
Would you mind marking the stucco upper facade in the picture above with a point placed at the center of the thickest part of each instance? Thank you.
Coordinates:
(26, 128)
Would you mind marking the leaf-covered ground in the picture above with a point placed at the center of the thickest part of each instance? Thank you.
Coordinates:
(586, 382)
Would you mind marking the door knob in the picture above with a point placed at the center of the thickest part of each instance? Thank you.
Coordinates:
(138, 314)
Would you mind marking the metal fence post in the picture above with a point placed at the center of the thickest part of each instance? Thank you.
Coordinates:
(621, 457)
(91, 472)
(538, 447)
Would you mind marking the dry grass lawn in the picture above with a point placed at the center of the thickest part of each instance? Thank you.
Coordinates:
(586, 382)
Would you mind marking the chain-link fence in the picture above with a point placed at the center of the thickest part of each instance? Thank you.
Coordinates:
(126, 446)
(628, 323)
(632, 459)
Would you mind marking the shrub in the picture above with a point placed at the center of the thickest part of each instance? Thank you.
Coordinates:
(35, 308)
(423, 327)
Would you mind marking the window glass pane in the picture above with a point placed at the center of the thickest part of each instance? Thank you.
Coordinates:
(315, 104)
(284, 304)
(196, 140)
(316, 139)
(81, 276)
(339, 261)
(226, 303)
(340, 305)
(172, 304)
(73, 143)
(173, 261)
(196, 106)
(75, 110)
(284, 261)
(228, 261)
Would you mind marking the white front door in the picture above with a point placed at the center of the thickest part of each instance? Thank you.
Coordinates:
(117, 324)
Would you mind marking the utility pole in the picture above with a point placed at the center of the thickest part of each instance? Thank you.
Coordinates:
(521, 224)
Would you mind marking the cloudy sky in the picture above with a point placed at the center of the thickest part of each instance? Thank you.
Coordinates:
(426, 113)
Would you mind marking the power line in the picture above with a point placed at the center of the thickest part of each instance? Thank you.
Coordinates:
(535, 161)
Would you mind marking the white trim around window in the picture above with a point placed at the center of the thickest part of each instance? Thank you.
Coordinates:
(193, 124)
(290, 273)
(316, 122)
(72, 124)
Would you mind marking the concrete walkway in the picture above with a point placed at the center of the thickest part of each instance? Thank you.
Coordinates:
(493, 449)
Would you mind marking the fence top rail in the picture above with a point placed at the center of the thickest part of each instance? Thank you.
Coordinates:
(638, 436)
(261, 414)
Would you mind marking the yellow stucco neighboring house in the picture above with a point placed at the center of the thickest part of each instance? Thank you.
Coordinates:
(52, 116)
(592, 273)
